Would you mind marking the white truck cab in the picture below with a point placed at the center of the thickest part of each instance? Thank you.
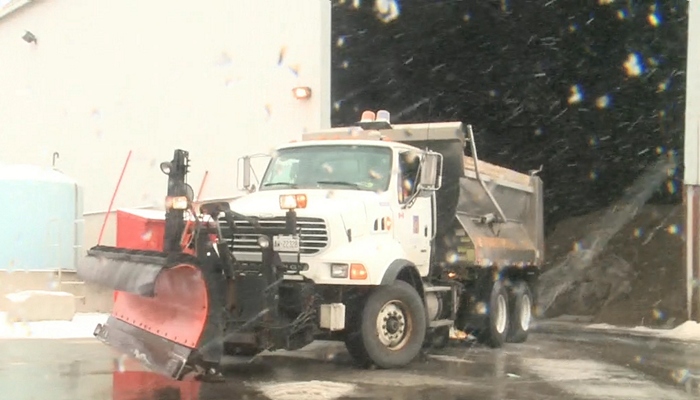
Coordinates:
(358, 203)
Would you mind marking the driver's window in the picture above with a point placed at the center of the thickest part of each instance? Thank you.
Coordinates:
(284, 171)
(409, 165)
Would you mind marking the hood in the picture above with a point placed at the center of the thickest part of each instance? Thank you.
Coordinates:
(318, 202)
(349, 204)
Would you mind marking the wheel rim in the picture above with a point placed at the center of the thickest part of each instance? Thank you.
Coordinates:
(501, 316)
(394, 325)
(525, 313)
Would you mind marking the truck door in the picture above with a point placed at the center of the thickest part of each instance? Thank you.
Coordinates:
(413, 226)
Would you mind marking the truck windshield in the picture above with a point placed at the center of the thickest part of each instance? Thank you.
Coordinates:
(337, 167)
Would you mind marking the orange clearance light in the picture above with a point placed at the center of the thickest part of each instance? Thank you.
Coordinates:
(302, 92)
(358, 272)
(301, 200)
(367, 116)
(292, 201)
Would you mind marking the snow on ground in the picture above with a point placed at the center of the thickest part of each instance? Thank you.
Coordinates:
(82, 326)
(310, 390)
(689, 330)
(592, 379)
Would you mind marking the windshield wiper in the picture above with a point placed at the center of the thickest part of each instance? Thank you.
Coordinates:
(292, 185)
(355, 185)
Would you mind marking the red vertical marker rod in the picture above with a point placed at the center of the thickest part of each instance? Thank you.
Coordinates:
(201, 186)
(114, 195)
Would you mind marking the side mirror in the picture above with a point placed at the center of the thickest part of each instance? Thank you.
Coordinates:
(246, 171)
(430, 178)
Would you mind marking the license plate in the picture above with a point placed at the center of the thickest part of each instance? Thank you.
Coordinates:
(287, 244)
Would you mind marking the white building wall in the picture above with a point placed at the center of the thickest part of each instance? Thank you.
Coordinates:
(107, 77)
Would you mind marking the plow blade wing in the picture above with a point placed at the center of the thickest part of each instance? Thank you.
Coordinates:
(133, 271)
(161, 314)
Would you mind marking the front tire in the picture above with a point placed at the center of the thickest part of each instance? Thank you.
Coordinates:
(392, 327)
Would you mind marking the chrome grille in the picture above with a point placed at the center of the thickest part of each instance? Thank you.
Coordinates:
(313, 234)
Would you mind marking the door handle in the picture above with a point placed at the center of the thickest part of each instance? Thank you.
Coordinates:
(425, 231)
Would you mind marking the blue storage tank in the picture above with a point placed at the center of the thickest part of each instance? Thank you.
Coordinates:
(41, 219)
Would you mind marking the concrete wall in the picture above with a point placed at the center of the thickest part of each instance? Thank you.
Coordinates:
(106, 78)
(89, 298)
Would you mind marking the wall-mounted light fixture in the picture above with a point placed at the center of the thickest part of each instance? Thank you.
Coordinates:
(302, 92)
(29, 37)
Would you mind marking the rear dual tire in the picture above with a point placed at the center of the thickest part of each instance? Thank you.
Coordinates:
(497, 324)
(510, 315)
(521, 315)
(391, 328)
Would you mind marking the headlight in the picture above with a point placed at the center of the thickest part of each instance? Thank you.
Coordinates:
(339, 270)
(177, 203)
(353, 271)
(263, 242)
(292, 201)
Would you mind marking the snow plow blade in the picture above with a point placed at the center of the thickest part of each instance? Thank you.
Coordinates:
(161, 309)
(154, 352)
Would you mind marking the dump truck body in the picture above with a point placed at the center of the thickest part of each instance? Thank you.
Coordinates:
(517, 241)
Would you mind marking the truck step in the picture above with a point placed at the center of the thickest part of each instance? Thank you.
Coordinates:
(441, 322)
(438, 288)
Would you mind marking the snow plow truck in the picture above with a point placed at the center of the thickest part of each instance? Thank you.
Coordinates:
(382, 236)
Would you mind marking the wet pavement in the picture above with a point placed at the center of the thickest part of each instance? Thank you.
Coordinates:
(549, 366)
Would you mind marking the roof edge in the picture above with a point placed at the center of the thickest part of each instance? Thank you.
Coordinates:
(12, 6)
